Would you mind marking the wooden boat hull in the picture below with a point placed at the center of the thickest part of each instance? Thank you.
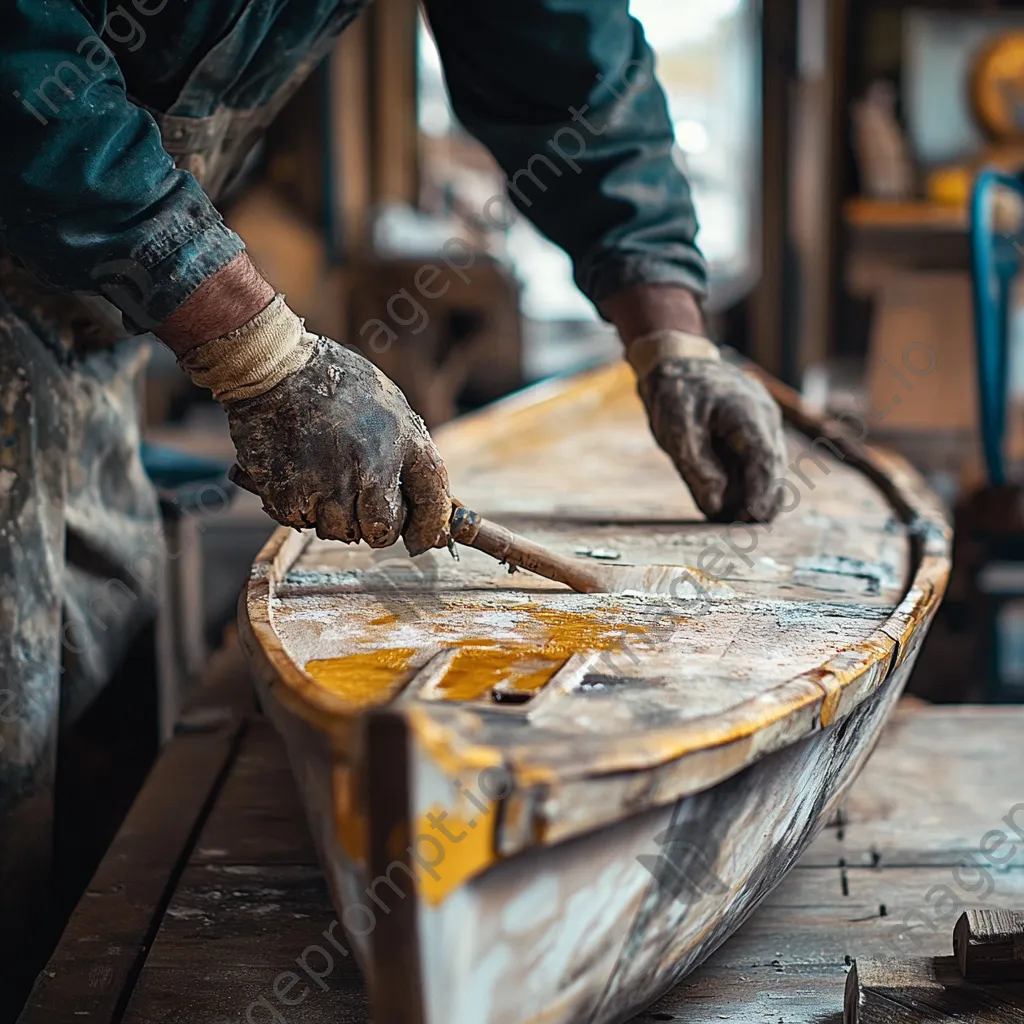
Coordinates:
(551, 892)
(587, 931)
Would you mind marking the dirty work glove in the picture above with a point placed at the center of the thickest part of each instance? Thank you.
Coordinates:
(720, 427)
(328, 440)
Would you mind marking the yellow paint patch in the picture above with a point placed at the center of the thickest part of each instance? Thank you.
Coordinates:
(367, 678)
(529, 664)
(350, 822)
(549, 637)
(452, 848)
(481, 664)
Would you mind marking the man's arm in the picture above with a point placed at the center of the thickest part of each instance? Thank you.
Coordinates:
(88, 196)
(564, 95)
(644, 309)
(221, 304)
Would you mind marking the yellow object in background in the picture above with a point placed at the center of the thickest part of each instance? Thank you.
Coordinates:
(950, 186)
(997, 97)
(997, 88)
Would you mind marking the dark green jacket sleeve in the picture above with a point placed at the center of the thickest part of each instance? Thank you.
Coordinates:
(87, 194)
(563, 93)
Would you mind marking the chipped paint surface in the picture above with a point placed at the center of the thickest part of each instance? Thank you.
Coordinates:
(873, 577)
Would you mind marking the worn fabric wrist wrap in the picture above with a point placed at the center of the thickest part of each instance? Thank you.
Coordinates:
(645, 352)
(253, 359)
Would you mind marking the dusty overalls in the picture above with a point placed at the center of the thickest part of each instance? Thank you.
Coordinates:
(81, 547)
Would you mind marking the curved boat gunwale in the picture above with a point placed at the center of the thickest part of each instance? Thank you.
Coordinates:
(838, 685)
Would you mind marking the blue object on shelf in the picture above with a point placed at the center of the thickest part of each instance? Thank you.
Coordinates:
(995, 260)
(186, 482)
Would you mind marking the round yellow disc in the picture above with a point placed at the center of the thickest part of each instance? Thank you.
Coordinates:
(997, 88)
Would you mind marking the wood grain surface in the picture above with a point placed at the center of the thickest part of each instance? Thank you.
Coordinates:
(989, 945)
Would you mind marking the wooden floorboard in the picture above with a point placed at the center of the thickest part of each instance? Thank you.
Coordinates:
(250, 908)
(258, 819)
(251, 903)
(787, 994)
(959, 772)
(210, 994)
(106, 941)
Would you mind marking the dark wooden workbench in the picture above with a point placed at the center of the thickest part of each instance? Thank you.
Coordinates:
(211, 890)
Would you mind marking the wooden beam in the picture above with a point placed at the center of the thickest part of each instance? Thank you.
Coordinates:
(819, 346)
(989, 945)
(351, 181)
(395, 981)
(772, 303)
(926, 991)
(396, 129)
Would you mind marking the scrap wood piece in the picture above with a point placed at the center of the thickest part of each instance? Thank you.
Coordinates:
(989, 945)
(926, 991)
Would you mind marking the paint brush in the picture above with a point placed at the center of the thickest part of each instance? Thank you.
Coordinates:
(471, 529)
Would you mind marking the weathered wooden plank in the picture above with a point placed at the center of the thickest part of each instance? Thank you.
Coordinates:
(108, 937)
(754, 994)
(206, 993)
(926, 991)
(259, 916)
(253, 896)
(989, 945)
(917, 807)
(258, 818)
(823, 915)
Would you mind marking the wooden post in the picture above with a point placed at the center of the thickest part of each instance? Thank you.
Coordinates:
(926, 991)
(351, 181)
(396, 131)
(989, 945)
(772, 300)
(804, 130)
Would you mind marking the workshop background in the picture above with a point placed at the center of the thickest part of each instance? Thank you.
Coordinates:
(832, 148)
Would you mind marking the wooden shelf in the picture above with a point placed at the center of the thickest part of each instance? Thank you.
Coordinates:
(915, 235)
(915, 215)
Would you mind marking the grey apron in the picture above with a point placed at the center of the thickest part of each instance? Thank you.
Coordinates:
(81, 544)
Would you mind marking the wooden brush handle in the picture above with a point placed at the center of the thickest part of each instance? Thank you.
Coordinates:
(471, 529)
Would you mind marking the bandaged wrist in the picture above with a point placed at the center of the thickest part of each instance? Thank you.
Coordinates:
(645, 352)
(253, 359)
